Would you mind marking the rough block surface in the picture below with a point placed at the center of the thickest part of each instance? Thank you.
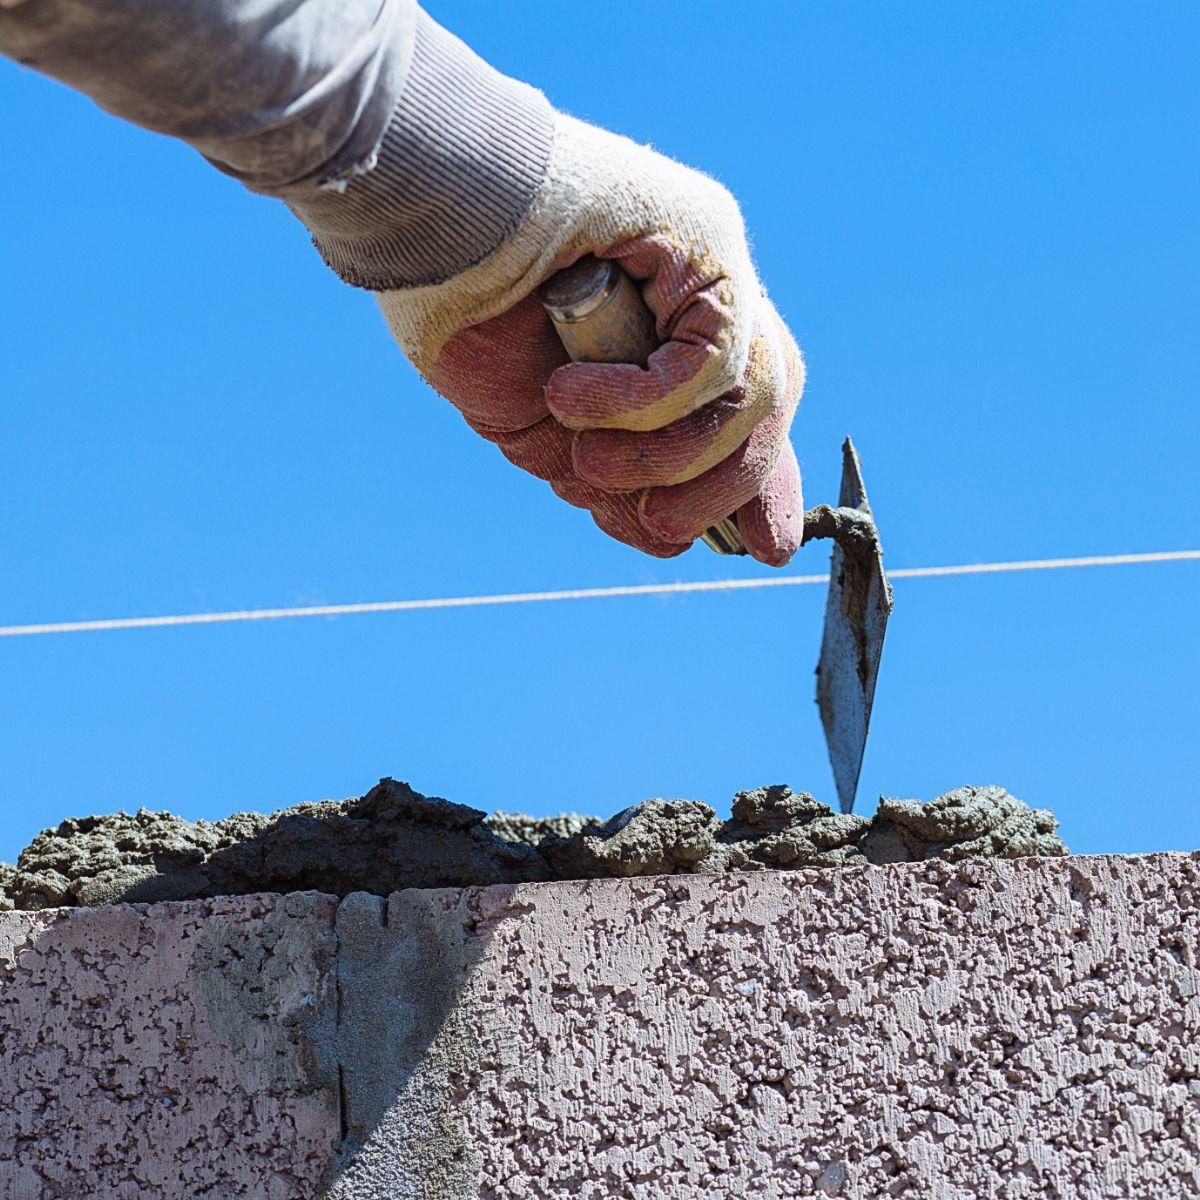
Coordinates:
(169, 1050)
(1026, 1028)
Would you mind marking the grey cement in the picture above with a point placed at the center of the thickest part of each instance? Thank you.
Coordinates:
(1012, 1030)
(394, 838)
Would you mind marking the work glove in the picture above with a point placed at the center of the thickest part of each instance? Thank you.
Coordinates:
(656, 454)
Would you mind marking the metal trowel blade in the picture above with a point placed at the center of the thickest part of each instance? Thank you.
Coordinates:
(856, 616)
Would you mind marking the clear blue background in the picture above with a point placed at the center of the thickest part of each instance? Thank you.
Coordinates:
(983, 222)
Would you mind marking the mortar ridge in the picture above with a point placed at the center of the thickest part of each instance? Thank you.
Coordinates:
(393, 838)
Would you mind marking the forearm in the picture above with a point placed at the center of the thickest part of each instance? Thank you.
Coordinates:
(406, 155)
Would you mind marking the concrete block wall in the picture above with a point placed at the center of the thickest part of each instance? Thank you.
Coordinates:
(988, 1029)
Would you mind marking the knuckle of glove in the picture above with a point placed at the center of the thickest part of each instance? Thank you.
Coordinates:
(731, 470)
(687, 251)
(701, 360)
(620, 460)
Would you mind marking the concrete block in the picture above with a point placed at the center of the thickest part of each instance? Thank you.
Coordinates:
(168, 1050)
(1025, 1028)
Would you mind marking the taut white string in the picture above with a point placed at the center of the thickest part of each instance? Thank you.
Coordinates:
(596, 593)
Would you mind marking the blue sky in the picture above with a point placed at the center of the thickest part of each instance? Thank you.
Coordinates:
(981, 221)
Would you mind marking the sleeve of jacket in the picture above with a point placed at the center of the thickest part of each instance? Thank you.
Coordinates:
(406, 155)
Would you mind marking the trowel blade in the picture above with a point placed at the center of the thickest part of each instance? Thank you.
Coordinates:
(856, 616)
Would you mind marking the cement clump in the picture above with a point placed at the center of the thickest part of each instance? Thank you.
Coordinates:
(969, 822)
(517, 827)
(656, 837)
(394, 838)
(389, 839)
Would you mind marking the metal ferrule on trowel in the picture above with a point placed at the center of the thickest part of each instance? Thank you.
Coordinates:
(601, 317)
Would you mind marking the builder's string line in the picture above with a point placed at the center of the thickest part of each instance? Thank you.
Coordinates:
(596, 593)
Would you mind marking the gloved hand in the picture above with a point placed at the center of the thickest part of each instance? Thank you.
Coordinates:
(657, 454)
(420, 169)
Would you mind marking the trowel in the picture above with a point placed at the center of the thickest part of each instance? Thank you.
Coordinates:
(600, 316)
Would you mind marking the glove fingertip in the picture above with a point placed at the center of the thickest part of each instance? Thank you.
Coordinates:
(772, 524)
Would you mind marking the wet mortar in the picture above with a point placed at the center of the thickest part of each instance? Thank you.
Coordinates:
(393, 837)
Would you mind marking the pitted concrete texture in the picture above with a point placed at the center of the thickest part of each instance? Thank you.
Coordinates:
(172, 1050)
(1024, 1028)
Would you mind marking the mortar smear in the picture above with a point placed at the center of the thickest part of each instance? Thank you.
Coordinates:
(394, 838)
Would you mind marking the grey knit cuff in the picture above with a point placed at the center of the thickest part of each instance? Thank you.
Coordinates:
(462, 157)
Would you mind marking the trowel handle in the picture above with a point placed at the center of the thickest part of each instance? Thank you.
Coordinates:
(601, 317)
